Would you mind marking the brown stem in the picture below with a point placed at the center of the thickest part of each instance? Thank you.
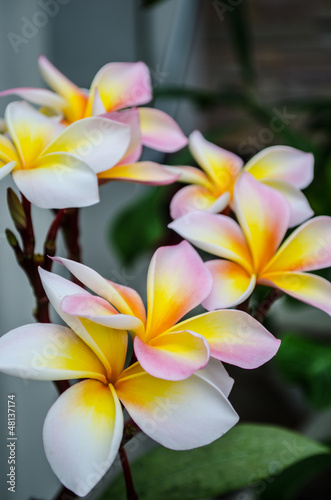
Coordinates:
(29, 262)
(130, 491)
(265, 306)
(50, 241)
(130, 430)
(28, 234)
(70, 227)
(244, 306)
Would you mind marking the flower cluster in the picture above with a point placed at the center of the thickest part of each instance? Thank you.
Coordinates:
(175, 388)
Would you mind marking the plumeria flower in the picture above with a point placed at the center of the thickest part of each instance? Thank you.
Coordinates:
(177, 282)
(116, 86)
(281, 167)
(129, 168)
(253, 250)
(56, 166)
(84, 427)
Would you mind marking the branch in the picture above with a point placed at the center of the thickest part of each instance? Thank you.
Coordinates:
(130, 491)
(265, 306)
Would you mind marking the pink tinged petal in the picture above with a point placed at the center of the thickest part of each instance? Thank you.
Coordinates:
(75, 97)
(283, 163)
(308, 288)
(216, 234)
(102, 340)
(130, 118)
(221, 165)
(59, 180)
(192, 175)
(264, 216)
(82, 434)
(121, 85)
(173, 356)
(124, 299)
(41, 97)
(56, 289)
(143, 172)
(48, 352)
(234, 337)
(179, 415)
(307, 249)
(30, 130)
(160, 131)
(193, 198)
(6, 169)
(177, 281)
(98, 142)
(97, 106)
(299, 205)
(232, 285)
(133, 157)
(99, 311)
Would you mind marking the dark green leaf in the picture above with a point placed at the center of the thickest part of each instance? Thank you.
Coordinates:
(140, 227)
(241, 458)
(292, 480)
(307, 363)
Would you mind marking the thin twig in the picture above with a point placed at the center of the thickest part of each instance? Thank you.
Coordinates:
(265, 306)
(244, 306)
(130, 491)
(50, 241)
(70, 228)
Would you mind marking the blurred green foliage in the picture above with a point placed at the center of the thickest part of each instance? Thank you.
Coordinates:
(302, 476)
(306, 363)
(140, 226)
(244, 457)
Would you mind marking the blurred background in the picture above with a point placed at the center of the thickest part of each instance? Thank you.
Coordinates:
(224, 67)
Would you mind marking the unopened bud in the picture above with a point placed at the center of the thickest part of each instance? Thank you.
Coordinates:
(16, 210)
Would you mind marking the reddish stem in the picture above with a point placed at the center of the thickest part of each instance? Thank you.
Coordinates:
(265, 306)
(70, 227)
(28, 235)
(130, 491)
(29, 262)
(50, 241)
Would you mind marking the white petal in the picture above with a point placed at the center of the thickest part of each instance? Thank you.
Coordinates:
(97, 141)
(48, 352)
(60, 181)
(82, 434)
(179, 415)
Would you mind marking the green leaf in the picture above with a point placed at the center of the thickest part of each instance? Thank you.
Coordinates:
(307, 363)
(141, 226)
(241, 458)
(294, 479)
